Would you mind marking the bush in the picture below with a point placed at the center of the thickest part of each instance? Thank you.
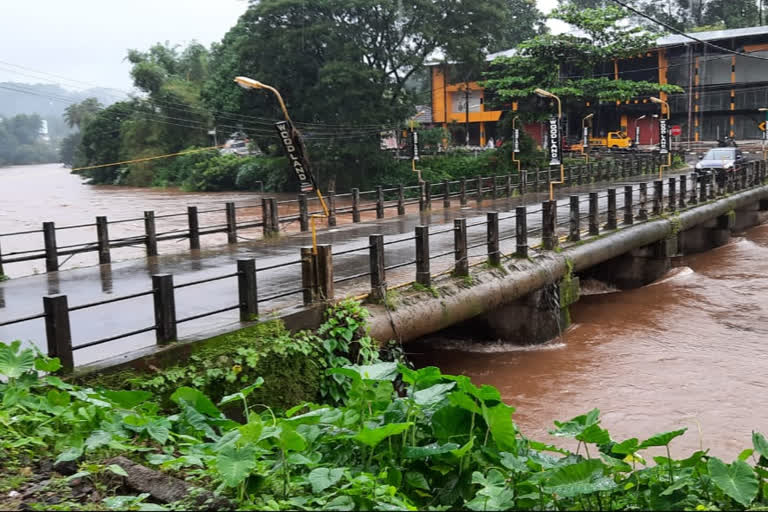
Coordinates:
(218, 173)
(273, 172)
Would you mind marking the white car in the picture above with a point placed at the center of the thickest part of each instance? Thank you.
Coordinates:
(719, 158)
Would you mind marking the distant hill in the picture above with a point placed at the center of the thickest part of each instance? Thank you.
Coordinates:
(49, 101)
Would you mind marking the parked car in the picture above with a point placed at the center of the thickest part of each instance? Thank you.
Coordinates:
(726, 158)
(238, 147)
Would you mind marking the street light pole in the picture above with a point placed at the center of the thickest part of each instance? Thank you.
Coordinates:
(295, 135)
(669, 150)
(546, 94)
(585, 134)
(515, 143)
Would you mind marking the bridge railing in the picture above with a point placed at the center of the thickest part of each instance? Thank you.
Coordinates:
(500, 236)
(271, 214)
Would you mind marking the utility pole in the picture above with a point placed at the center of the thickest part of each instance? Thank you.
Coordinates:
(466, 112)
(690, 95)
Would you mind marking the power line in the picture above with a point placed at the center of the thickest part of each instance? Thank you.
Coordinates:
(680, 32)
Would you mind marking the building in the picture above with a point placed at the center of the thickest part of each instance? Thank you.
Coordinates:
(723, 91)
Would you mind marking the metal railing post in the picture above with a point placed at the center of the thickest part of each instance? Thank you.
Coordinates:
(521, 232)
(642, 214)
(428, 195)
(508, 186)
(325, 272)
(378, 275)
(57, 330)
(463, 192)
(193, 223)
(629, 217)
(683, 191)
(548, 222)
(479, 196)
(247, 289)
(658, 197)
(574, 220)
(672, 199)
(355, 205)
(102, 236)
(150, 232)
(304, 213)
(379, 202)
(594, 214)
(308, 276)
(400, 200)
(446, 194)
(165, 308)
(494, 255)
(610, 222)
(461, 265)
(331, 208)
(423, 276)
(422, 196)
(693, 199)
(231, 223)
(51, 251)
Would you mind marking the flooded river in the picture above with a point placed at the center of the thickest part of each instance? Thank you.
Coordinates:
(687, 351)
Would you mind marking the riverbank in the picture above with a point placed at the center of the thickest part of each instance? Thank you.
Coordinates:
(389, 437)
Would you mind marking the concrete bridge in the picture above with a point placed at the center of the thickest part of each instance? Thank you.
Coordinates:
(470, 270)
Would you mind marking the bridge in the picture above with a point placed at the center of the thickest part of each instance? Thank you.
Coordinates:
(488, 251)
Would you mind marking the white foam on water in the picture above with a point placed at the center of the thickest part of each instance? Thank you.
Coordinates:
(675, 273)
(486, 347)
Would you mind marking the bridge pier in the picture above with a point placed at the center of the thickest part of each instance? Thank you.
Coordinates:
(637, 267)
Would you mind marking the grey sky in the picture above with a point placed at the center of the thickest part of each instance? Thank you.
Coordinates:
(86, 40)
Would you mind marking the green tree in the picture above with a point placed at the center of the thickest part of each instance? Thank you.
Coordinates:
(79, 114)
(573, 66)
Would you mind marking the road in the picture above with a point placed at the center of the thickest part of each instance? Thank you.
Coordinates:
(21, 297)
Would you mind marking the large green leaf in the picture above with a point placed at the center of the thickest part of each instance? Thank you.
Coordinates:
(195, 399)
(584, 428)
(377, 371)
(416, 480)
(235, 464)
(243, 393)
(340, 503)
(627, 447)
(428, 398)
(662, 439)
(503, 431)
(585, 477)
(760, 444)
(421, 378)
(15, 363)
(127, 399)
(737, 480)
(493, 495)
(430, 450)
(372, 437)
(450, 422)
(323, 478)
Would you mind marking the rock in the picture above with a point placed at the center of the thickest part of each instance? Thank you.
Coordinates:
(66, 468)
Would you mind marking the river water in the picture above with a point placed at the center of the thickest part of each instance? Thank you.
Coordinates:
(688, 350)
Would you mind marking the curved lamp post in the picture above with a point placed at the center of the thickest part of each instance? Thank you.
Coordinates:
(546, 94)
(250, 83)
(665, 106)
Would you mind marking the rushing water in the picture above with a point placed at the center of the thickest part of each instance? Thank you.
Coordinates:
(688, 350)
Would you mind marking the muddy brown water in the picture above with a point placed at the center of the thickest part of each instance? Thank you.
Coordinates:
(687, 351)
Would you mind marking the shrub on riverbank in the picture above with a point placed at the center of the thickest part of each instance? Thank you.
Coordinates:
(394, 439)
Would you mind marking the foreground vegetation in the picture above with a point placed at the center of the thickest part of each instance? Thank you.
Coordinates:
(387, 437)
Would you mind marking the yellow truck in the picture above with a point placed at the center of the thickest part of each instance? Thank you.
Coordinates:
(613, 140)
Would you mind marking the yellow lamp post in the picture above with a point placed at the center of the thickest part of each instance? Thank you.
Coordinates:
(250, 83)
(517, 143)
(585, 135)
(664, 110)
(765, 131)
(546, 94)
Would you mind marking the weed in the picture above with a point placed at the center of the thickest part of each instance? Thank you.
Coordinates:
(418, 287)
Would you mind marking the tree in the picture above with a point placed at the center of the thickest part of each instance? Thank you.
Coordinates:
(79, 114)
(573, 66)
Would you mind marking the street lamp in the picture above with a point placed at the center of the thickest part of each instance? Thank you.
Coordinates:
(516, 144)
(669, 152)
(546, 94)
(765, 131)
(637, 129)
(300, 161)
(585, 135)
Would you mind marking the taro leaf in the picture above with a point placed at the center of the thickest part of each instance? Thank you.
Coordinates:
(372, 437)
(289, 439)
(494, 495)
(127, 399)
(594, 434)
(430, 450)
(585, 477)
(195, 399)
(503, 431)
(251, 431)
(514, 463)
(465, 401)
(745, 454)
(159, 430)
(662, 439)
(74, 451)
(340, 503)
(235, 464)
(461, 452)
(47, 364)
(416, 480)
(58, 398)
(377, 371)
(98, 439)
(627, 447)
(760, 444)
(323, 478)
(15, 363)
(114, 468)
(394, 477)
(736, 480)
(422, 378)
(682, 482)
(576, 426)
(433, 395)
(449, 422)
(484, 392)
(243, 393)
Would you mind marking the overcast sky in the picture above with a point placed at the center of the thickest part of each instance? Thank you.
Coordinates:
(86, 40)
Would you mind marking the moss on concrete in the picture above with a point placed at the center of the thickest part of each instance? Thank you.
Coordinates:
(225, 364)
